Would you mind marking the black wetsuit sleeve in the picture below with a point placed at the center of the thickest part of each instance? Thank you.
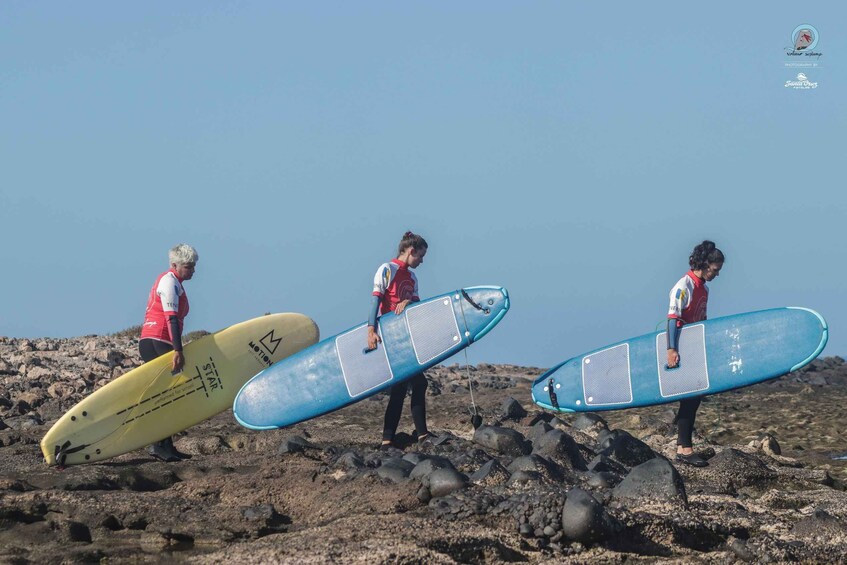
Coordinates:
(374, 309)
(176, 334)
(673, 333)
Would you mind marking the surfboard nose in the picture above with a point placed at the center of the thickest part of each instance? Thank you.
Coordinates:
(483, 308)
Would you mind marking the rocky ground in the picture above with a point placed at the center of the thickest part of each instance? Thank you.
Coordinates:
(527, 485)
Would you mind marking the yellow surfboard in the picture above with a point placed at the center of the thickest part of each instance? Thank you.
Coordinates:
(149, 404)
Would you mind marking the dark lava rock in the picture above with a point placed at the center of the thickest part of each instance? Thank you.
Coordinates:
(428, 466)
(538, 418)
(602, 480)
(112, 523)
(538, 430)
(588, 421)
(265, 516)
(415, 458)
(350, 461)
(584, 519)
(561, 447)
(27, 422)
(74, 531)
(603, 464)
(740, 549)
(820, 525)
(655, 479)
(491, 474)
(625, 448)
(511, 409)
(395, 469)
(519, 477)
(770, 445)
(502, 440)
(537, 464)
(732, 468)
(25, 514)
(295, 444)
(261, 512)
(446, 480)
(423, 494)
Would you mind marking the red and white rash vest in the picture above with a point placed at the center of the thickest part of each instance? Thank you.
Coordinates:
(688, 299)
(394, 282)
(167, 298)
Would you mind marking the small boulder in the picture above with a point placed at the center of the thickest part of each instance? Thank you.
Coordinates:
(652, 480)
(588, 421)
(585, 520)
(428, 466)
(538, 430)
(603, 464)
(350, 461)
(491, 474)
(734, 468)
(511, 409)
(535, 464)
(395, 469)
(626, 449)
(503, 440)
(560, 447)
(446, 480)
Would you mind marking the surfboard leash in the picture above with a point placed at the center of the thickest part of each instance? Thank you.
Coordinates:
(476, 417)
(61, 452)
(472, 303)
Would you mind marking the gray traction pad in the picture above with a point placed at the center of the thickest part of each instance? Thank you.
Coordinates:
(362, 371)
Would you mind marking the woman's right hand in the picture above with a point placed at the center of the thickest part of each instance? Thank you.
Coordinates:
(373, 338)
(178, 362)
(673, 358)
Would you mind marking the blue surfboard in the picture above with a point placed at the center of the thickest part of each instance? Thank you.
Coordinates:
(715, 356)
(340, 370)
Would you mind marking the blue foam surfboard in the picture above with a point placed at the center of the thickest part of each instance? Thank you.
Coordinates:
(715, 356)
(339, 370)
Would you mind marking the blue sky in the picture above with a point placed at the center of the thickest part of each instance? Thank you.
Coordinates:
(574, 154)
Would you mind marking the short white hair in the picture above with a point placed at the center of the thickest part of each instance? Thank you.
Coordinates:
(182, 253)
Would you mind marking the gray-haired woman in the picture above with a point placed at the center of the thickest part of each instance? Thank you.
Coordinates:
(167, 307)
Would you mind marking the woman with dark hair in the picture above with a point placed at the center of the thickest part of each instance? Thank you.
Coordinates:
(395, 287)
(688, 299)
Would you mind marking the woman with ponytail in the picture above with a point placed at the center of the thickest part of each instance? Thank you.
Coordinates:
(395, 287)
(688, 299)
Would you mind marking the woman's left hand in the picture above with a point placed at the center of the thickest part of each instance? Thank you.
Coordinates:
(400, 307)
